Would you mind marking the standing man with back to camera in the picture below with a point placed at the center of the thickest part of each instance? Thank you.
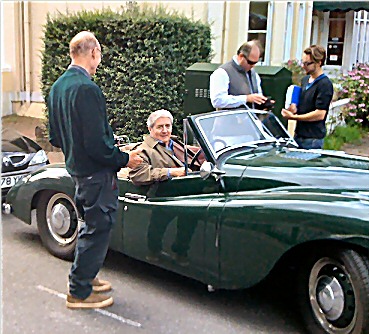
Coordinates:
(78, 125)
(316, 96)
(236, 84)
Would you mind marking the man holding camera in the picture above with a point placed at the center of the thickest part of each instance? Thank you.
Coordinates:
(235, 84)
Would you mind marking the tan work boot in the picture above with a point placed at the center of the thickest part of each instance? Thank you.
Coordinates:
(94, 300)
(99, 285)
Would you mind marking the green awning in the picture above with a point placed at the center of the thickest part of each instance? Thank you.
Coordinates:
(345, 6)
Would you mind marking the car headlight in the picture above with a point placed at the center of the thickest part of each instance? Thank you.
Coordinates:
(39, 158)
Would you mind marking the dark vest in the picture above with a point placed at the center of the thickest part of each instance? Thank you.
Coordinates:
(239, 80)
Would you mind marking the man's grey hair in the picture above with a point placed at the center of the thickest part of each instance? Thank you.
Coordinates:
(82, 43)
(154, 116)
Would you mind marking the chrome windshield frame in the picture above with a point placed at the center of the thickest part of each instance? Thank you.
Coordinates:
(264, 132)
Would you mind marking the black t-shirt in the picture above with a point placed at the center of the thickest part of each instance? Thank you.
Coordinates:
(317, 96)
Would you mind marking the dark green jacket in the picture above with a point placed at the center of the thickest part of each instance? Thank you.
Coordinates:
(78, 125)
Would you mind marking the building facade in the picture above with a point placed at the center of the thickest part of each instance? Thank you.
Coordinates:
(285, 28)
(343, 28)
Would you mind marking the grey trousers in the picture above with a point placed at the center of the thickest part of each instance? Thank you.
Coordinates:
(96, 198)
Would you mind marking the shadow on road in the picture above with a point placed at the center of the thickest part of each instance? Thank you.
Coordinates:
(260, 304)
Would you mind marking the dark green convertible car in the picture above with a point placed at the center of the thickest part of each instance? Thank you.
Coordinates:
(250, 202)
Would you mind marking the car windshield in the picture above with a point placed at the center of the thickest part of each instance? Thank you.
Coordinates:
(231, 129)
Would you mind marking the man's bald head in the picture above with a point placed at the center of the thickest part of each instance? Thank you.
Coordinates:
(85, 51)
(247, 47)
(82, 43)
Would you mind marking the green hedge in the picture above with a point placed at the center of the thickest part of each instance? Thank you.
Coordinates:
(145, 54)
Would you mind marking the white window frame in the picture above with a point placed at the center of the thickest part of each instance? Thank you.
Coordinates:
(268, 38)
(362, 36)
(300, 32)
(288, 32)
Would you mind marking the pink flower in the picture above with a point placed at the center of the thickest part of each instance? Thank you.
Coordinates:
(361, 105)
(353, 114)
(358, 120)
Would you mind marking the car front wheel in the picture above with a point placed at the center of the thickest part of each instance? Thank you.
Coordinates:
(57, 223)
(334, 293)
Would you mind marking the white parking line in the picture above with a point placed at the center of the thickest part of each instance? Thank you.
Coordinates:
(103, 312)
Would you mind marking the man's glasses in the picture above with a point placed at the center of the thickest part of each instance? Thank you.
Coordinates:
(249, 61)
(98, 49)
(307, 63)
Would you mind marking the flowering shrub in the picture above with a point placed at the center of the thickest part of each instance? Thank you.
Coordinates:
(355, 85)
(298, 72)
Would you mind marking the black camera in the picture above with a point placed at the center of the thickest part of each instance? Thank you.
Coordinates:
(267, 105)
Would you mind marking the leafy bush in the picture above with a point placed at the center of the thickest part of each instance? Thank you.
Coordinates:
(342, 135)
(355, 85)
(298, 72)
(145, 54)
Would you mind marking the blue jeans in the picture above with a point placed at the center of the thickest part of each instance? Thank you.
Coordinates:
(309, 143)
(96, 198)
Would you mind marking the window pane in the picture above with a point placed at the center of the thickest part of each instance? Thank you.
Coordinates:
(261, 36)
(336, 38)
(258, 15)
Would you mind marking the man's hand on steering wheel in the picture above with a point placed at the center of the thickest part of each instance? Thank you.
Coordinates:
(194, 159)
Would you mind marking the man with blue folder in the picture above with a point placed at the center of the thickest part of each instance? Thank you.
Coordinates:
(313, 104)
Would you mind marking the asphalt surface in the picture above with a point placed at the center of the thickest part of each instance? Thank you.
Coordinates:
(146, 299)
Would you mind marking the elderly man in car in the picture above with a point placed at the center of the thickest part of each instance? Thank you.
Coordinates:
(160, 163)
(159, 160)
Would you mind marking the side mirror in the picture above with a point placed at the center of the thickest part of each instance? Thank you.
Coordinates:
(207, 169)
(121, 140)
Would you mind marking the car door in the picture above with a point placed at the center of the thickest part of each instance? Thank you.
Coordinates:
(170, 219)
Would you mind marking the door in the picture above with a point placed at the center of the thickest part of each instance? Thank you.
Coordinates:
(336, 38)
(167, 226)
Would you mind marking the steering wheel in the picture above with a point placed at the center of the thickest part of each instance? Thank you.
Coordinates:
(221, 141)
(194, 159)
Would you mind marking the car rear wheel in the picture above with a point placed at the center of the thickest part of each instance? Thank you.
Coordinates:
(334, 293)
(57, 223)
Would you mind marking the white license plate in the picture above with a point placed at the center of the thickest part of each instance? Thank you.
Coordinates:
(10, 181)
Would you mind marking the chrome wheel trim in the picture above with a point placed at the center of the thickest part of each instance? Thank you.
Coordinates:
(332, 296)
(59, 219)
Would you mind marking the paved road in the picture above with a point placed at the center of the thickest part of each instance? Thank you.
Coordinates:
(147, 299)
